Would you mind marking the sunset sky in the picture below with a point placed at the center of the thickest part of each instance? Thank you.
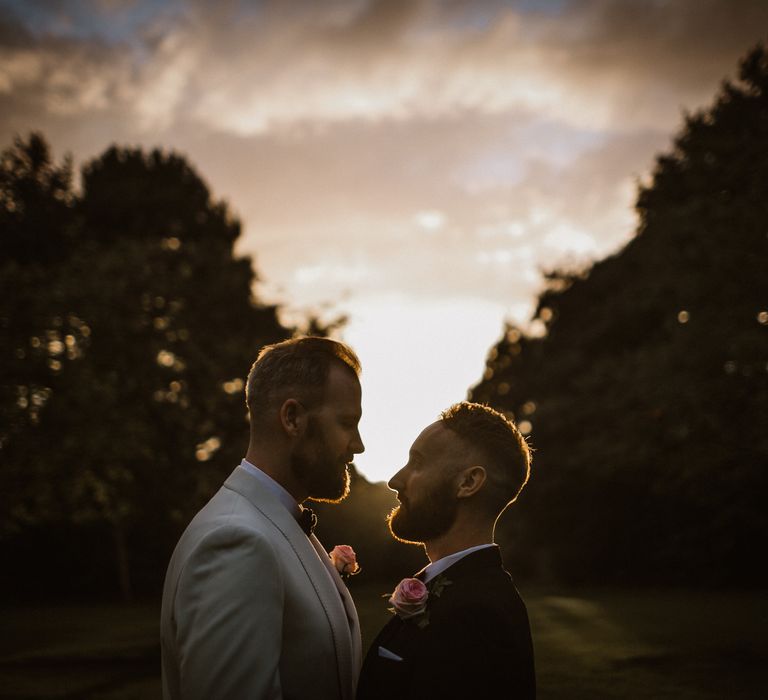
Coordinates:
(412, 164)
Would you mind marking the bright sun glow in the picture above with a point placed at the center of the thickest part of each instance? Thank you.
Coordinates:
(418, 357)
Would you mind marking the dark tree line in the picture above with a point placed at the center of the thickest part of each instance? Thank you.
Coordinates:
(127, 326)
(647, 395)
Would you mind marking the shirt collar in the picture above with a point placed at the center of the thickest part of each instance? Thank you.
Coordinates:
(437, 567)
(271, 485)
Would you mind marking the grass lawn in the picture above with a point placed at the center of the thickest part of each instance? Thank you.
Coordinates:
(650, 645)
(597, 644)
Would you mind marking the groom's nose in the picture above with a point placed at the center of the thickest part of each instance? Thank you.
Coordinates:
(357, 444)
(396, 482)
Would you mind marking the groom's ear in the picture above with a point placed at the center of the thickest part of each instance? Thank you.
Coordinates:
(292, 417)
(471, 480)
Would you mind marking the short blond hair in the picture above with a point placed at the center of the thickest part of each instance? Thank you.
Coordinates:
(296, 368)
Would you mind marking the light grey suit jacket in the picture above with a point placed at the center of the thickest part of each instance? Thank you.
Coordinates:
(253, 608)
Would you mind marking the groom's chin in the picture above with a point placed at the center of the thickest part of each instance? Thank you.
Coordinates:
(399, 530)
(333, 493)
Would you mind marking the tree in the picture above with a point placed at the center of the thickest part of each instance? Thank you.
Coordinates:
(647, 395)
(128, 409)
(36, 221)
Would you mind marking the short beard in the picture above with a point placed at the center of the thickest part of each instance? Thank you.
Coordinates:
(330, 492)
(426, 520)
(316, 468)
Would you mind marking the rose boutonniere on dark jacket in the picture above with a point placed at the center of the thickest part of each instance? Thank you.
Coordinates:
(344, 559)
(410, 597)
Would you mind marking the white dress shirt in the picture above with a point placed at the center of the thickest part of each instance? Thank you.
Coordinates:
(279, 492)
(437, 567)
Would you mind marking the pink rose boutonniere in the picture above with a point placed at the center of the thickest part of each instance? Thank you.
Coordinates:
(409, 599)
(344, 559)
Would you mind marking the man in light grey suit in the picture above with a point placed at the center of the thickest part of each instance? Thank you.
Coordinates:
(252, 606)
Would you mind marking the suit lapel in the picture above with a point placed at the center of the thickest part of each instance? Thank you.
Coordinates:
(320, 572)
(354, 648)
(405, 637)
(469, 565)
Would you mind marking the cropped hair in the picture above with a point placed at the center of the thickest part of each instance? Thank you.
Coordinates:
(495, 439)
(296, 368)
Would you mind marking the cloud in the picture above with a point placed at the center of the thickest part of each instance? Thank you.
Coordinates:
(590, 64)
(429, 145)
(344, 211)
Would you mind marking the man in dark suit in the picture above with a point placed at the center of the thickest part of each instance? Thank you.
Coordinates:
(459, 627)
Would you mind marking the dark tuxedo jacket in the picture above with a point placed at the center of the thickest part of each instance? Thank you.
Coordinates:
(476, 643)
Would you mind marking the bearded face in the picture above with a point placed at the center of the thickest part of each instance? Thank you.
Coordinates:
(426, 516)
(324, 473)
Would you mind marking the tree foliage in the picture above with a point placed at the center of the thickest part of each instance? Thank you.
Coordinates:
(127, 326)
(647, 396)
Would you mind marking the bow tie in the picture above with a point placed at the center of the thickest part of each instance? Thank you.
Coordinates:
(307, 520)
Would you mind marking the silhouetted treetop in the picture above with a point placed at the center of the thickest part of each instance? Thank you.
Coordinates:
(709, 158)
(35, 203)
(157, 196)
